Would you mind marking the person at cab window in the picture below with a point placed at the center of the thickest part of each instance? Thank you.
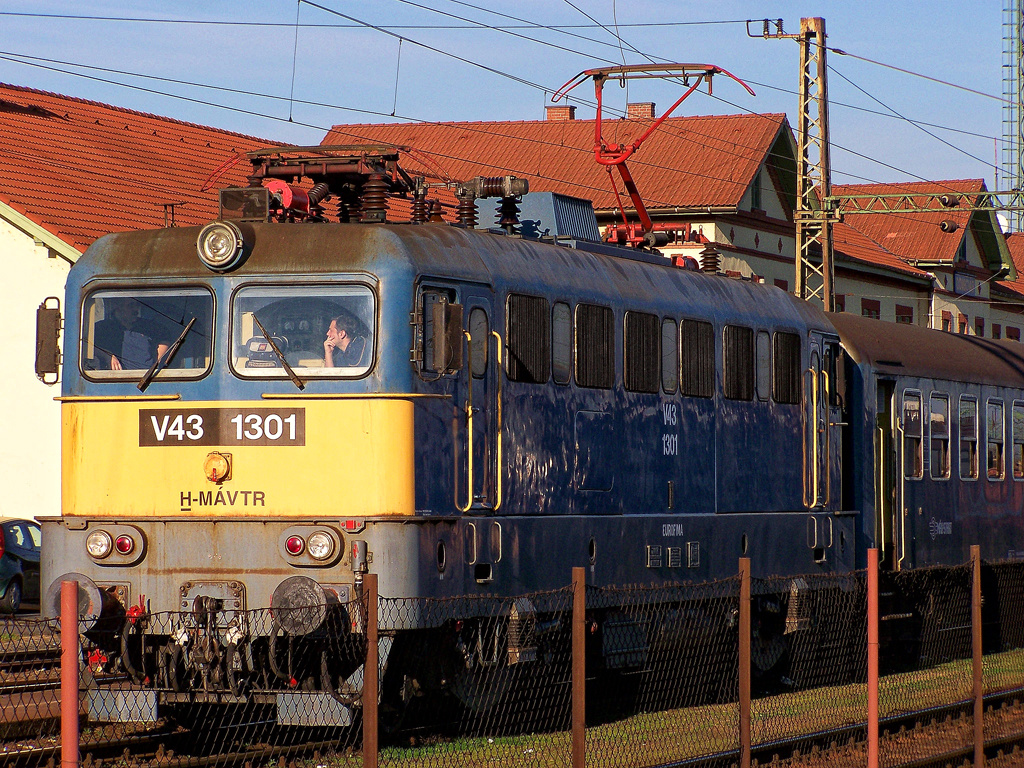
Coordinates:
(343, 345)
(124, 341)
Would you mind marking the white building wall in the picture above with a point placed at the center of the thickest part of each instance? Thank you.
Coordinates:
(30, 427)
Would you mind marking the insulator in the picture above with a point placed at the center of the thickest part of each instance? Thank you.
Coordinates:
(318, 193)
(420, 207)
(374, 199)
(435, 211)
(467, 211)
(508, 214)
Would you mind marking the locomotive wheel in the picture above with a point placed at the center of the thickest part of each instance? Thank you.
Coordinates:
(480, 689)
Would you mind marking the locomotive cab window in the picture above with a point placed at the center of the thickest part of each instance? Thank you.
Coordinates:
(938, 427)
(321, 331)
(968, 438)
(913, 458)
(561, 342)
(994, 435)
(669, 356)
(125, 332)
(1018, 440)
(764, 365)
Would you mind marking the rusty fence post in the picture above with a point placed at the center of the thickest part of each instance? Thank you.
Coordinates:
(872, 658)
(69, 656)
(579, 667)
(744, 662)
(371, 673)
(979, 682)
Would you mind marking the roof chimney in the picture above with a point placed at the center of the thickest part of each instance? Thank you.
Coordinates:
(642, 111)
(561, 113)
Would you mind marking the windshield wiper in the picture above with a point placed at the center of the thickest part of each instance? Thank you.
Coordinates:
(280, 355)
(165, 358)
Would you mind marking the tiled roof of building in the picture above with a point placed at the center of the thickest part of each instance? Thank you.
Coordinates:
(848, 242)
(689, 162)
(913, 235)
(81, 169)
(1015, 244)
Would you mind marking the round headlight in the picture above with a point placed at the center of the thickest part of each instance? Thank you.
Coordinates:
(320, 546)
(98, 544)
(221, 246)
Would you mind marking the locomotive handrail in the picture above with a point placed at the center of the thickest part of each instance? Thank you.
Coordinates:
(355, 396)
(114, 398)
(901, 468)
(469, 428)
(814, 438)
(498, 425)
(828, 444)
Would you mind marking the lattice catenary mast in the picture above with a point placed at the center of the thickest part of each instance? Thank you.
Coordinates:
(1011, 160)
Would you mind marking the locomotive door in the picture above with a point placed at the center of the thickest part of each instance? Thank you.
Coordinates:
(888, 523)
(480, 476)
(817, 443)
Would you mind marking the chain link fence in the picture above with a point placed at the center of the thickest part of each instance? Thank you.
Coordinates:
(489, 681)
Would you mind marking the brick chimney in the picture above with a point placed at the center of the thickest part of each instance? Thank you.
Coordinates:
(641, 111)
(560, 113)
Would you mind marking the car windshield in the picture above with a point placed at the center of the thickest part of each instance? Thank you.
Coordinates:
(125, 331)
(299, 320)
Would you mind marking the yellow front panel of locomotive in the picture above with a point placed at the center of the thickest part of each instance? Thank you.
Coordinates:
(337, 458)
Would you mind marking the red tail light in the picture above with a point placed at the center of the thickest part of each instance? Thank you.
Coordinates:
(124, 544)
(295, 545)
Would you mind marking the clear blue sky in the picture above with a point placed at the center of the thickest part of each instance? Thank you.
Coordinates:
(346, 65)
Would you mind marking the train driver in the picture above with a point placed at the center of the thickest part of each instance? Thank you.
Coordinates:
(126, 342)
(344, 346)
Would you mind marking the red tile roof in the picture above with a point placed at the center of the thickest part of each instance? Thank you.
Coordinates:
(689, 162)
(913, 235)
(81, 169)
(848, 242)
(1015, 244)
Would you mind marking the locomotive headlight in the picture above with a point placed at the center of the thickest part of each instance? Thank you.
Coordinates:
(221, 246)
(320, 546)
(98, 544)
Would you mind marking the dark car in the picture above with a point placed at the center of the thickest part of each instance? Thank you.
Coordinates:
(19, 563)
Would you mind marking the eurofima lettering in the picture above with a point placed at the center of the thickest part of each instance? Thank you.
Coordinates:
(222, 499)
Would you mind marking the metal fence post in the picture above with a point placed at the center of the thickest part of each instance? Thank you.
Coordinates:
(579, 665)
(69, 656)
(744, 662)
(872, 658)
(371, 673)
(979, 683)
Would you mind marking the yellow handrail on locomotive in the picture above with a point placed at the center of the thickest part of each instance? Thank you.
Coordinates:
(469, 429)
(901, 530)
(498, 426)
(827, 440)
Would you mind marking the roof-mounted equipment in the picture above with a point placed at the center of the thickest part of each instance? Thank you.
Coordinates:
(613, 154)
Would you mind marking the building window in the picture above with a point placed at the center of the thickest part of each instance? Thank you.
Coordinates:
(968, 438)
(697, 358)
(755, 193)
(561, 342)
(641, 353)
(913, 459)
(997, 331)
(839, 302)
(787, 380)
(595, 346)
(947, 321)
(669, 356)
(961, 324)
(1013, 334)
(871, 308)
(994, 438)
(939, 434)
(739, 362)
(529, 339)
(904, 314)
(1018, 440)
(979, 326)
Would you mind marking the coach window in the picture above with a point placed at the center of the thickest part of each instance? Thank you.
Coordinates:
(479, 334)
(561, 342)
(763, 372)
(968, 438)
(642, 355)
(669, 356)
(595, 346)
(994, 429)
(1018, 440)
(696, 358)
(938, 408)
(913, 459)
(297, 319)
(529, 339)
(739, 363)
